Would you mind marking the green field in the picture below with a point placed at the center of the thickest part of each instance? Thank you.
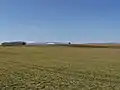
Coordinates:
(59, 68)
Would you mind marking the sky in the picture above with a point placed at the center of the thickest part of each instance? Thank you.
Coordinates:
(78, 21)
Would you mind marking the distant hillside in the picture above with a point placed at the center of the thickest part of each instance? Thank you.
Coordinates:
(86, 45)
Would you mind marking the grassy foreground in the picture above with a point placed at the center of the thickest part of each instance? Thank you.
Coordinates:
(59, 68)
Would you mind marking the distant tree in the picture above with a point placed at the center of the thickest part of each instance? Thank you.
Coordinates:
(13, 43)
(69, 43)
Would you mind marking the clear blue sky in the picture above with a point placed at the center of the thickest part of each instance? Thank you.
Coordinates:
(60, 20)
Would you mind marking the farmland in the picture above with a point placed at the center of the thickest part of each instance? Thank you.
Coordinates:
(59, 68)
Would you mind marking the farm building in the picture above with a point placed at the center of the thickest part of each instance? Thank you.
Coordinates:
(50, 43)
(13, 43)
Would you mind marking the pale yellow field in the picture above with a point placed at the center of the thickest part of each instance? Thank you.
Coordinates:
(59, 68)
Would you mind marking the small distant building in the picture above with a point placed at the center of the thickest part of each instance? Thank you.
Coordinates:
(50, 43)
(13, 43)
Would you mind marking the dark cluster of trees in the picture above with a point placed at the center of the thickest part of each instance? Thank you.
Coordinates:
(13, 43)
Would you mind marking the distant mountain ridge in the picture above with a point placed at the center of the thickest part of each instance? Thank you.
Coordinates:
(45, 43)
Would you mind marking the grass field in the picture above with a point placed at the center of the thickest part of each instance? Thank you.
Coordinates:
(59, 68)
